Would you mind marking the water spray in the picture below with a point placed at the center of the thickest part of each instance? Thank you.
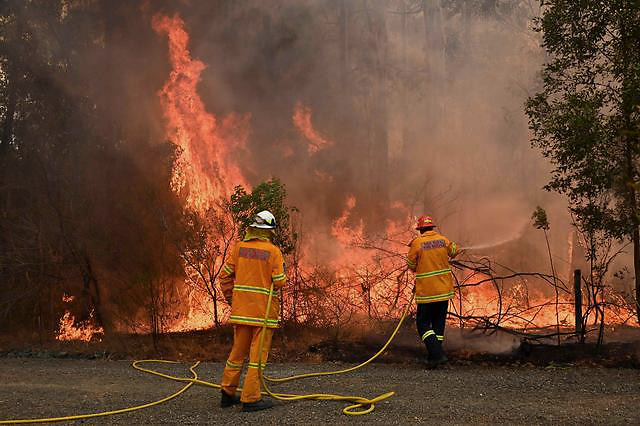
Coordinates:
(495, 243)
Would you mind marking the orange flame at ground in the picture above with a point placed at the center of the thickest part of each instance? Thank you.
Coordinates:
(302, 122)
(364, 262)
(85, 330)
(205, 168)
(524, 306)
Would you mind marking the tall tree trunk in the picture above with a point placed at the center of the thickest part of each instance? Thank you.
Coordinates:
(343, 45)
(634, 211)
(404, 105)
(555, 284)
(216, 318)
(629, 105)
(12, 69)
(379, 145)
(466, 21)
(343, 118)
(112, 94)
(434, 58)
(91, 295)
(636, 268)
(635, 234)
(7, 126)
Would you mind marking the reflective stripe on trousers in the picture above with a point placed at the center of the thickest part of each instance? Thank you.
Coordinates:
(430, 321)
(432, 333)
(246, 341)
(427, 334)
(253, 321)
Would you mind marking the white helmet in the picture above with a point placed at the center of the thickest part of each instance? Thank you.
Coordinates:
(265, 220)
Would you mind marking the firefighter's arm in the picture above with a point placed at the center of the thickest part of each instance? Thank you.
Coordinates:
(227, 277)
(278, 276)
(452, 249)
(412, 257)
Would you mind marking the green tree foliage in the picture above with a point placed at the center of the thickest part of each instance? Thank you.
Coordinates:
(540, 220)
(586, 118)
(269, 195)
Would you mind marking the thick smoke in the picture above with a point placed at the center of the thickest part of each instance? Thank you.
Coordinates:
(422, 111)
(371, 113)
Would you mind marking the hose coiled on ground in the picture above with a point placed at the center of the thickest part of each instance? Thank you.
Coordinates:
(360, 404)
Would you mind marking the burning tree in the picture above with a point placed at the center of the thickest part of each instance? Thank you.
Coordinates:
(209, 239)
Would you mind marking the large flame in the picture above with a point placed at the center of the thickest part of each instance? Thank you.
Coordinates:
(205, 167)
(205, 172)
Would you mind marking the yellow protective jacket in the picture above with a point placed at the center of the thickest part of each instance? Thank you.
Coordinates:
(429, 258)
(247, 275)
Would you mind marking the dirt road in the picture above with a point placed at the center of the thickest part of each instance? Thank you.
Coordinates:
(459, 395)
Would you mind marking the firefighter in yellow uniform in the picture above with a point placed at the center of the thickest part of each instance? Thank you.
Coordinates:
(246, 280)
(428, 257)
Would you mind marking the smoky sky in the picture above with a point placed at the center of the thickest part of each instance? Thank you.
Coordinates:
(424, 111)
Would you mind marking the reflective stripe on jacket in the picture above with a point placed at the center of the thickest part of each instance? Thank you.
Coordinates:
(429, 258)
(247, 275)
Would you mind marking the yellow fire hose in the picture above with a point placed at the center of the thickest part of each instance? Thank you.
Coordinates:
(358, 402)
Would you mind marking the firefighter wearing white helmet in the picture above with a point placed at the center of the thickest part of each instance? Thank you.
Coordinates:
(253, 265)
(264, 220)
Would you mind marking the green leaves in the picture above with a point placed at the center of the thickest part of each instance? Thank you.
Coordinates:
(583, 119)
(540, 220)
(269, 195)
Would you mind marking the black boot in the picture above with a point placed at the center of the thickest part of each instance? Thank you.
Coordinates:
(432, 364)
(262, 404)
(228, 400)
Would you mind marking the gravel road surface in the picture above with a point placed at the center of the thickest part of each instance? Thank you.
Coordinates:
(457, 395)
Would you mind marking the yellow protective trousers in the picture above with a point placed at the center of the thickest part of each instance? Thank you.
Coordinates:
(246, 341)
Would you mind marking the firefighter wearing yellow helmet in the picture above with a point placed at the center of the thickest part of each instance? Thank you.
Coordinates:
(246, 280)
(428, 257)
